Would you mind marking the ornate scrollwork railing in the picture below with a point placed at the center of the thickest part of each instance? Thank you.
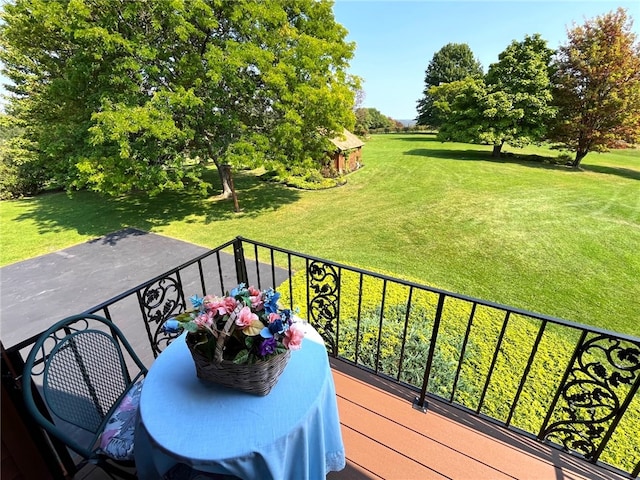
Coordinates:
(601, 379)
(324, 297)
(159, 302)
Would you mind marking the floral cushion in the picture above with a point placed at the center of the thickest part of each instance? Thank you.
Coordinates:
(117, 438)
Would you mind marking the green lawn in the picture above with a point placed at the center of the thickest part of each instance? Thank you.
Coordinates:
(516, 231)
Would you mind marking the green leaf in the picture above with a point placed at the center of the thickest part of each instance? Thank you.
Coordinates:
(242, 357)
(190, 327)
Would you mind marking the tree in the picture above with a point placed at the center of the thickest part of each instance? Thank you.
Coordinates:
(360, 95)
(511, 105)
(453, 62)
(522, 74)
(368, 119)
(18, 176)
(597, 86)
(473, 114)
(120, 95)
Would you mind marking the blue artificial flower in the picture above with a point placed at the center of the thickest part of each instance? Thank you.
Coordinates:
(268, 346)
(239, 290)
(196, 301)
(271, 301)
(286, 316)
(276, 327)
(171, 326)
(265, 333)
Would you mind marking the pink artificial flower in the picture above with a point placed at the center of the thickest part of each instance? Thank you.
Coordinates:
(255, 296)
(293, 337)
(254, 292)
(226, 305)
(204, 320)
(273, 317)
(231, 304)
(221, 306)
(256, 302)
(245, 317)
(207, 301)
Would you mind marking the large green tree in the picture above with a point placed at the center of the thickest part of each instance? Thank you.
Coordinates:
(512, 104)
(119, 95)
(522, 74)
(453, 62)
(597, 86)
(473, 114)
(368, 119)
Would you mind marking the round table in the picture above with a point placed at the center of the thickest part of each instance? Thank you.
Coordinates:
(292, 433)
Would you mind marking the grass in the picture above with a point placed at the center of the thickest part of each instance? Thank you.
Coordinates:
(517, 230)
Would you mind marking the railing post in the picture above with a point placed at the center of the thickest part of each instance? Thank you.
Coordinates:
(241, 265)
(419, 402)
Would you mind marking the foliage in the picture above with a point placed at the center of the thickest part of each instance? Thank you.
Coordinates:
(453, 62)
(522, 74)
(258, 329)
(368, 119)
(597, 86)
(20, 173)
(511, 105)
(462, 104)
(309, 178)
(122, 96)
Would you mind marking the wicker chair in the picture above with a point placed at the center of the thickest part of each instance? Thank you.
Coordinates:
(85, 369)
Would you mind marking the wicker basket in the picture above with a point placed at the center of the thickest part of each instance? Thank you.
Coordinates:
(257, 378)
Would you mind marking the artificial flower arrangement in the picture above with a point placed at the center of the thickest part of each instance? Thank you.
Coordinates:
(259, 328)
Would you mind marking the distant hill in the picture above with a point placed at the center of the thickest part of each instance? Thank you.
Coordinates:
(408, 123)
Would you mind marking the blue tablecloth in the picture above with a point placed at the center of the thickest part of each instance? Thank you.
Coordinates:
(292, 433)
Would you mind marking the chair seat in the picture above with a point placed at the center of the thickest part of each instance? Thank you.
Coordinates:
(116, 440)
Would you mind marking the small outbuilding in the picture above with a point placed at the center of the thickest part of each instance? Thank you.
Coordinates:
(347, 156)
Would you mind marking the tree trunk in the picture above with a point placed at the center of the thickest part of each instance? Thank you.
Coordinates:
(497, 149)
(224, 171)
(579, 156)
(227, 184)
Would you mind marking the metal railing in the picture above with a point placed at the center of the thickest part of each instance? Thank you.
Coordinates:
(570, 385)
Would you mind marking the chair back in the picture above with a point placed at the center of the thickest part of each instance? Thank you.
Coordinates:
(83, 366)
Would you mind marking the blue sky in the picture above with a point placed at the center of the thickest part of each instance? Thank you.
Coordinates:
(396, 40)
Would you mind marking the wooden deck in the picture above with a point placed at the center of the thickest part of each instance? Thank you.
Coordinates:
(385, 437)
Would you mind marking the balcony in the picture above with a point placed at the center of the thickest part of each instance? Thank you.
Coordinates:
(430, 384)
